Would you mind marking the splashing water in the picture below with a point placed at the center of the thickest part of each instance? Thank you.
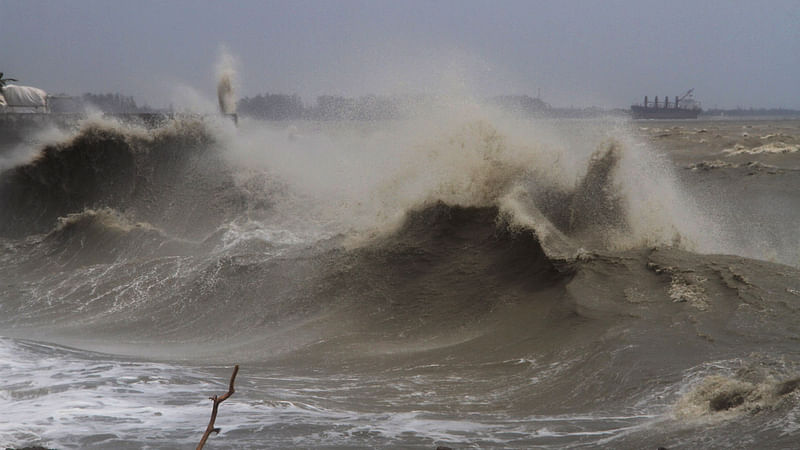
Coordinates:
(226, 74)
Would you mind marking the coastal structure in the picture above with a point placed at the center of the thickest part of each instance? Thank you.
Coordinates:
(15, 98)
(684, 107)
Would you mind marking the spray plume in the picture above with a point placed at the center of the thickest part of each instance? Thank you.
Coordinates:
(226, 74)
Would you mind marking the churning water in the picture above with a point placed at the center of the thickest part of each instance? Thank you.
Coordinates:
(462, 278)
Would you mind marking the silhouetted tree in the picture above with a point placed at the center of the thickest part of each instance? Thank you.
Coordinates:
(3, 81)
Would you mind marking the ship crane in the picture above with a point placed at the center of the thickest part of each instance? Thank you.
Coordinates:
(688, 94)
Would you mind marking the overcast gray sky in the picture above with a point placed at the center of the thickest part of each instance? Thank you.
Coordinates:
(582, 53)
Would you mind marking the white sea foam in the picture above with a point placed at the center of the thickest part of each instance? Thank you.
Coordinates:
(55, 396)
(769, 148)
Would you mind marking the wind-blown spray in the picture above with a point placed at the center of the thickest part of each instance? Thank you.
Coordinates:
(226, 74)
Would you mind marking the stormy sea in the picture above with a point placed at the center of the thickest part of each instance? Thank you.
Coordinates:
(462, 277)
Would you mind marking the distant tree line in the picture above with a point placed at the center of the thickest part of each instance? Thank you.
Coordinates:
(112, 103)
(326, 107)
(272, 107)
(107, 103)
(368, 107)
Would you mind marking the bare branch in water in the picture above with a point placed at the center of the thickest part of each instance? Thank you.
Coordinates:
(217, 401)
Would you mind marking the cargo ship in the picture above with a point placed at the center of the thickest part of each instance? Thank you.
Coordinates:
(684, 107)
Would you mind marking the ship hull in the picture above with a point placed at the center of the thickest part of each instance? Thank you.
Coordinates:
(640, 112)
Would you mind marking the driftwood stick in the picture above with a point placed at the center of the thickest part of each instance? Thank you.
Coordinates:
(217, 400)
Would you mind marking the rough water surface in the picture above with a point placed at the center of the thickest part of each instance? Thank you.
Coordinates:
(469, 279)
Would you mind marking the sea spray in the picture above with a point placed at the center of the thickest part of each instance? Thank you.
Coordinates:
(364, 178)
(226, 74)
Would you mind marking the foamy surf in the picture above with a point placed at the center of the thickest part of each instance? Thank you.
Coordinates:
(97, 401)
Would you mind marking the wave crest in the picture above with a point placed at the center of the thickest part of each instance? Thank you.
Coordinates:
(114, 165)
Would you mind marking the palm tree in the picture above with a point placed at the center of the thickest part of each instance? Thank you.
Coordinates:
(3, 81)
